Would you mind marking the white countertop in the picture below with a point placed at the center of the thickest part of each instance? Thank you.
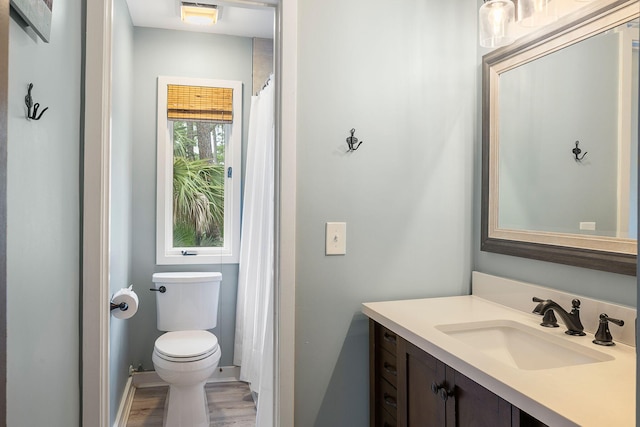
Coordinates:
(595, 394)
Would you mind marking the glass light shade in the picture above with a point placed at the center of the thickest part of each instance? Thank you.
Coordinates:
(193, 13)
(535, 13)
(495, 20)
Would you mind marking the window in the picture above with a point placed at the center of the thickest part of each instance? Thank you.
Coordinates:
(198, 187)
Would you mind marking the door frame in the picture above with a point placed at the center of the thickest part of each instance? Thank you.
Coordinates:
(286, 63)
(96, 205)
(95, 217)
(4, 87)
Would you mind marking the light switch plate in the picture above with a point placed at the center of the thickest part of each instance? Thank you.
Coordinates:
(336, 238)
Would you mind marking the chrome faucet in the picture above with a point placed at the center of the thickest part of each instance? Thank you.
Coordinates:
(571, 320)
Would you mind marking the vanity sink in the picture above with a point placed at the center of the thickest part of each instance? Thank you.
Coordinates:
(521, 346)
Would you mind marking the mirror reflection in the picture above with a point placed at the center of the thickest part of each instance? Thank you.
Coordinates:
(582, 98)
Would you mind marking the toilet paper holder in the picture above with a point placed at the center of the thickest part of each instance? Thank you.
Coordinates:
(124, 303)
(122, 306)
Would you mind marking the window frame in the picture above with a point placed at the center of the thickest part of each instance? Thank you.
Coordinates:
(166, 253)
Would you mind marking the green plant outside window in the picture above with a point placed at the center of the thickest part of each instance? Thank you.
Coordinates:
(198, 183)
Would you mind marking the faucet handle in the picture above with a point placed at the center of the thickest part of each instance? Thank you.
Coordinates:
(575, 303)
(603, 335)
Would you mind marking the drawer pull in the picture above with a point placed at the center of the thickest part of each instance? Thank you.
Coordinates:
(389, 338)
(390, 369)
(389, 400)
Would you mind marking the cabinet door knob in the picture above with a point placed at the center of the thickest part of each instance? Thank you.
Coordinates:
(444, 394)
(435, 388)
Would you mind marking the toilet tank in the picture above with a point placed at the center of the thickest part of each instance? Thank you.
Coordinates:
(189, 302)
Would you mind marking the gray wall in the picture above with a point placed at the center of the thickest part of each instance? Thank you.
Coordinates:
(404, 76)
(595, 284)
(121, 195)
(43, 225)
(192, 55)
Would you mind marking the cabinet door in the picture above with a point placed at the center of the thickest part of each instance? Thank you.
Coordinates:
(473, 405)
(418, 373)
(457, 401)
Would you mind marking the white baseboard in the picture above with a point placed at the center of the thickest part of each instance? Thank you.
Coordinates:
(125, 404)
(151, 378)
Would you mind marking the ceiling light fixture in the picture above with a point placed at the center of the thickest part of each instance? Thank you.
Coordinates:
(198, 13)
(495, 20)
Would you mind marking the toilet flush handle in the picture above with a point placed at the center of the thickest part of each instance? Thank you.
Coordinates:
(161, 289)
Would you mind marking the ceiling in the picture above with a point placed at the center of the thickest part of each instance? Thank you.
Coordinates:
(235, 17)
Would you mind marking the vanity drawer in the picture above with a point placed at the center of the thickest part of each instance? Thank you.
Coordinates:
(387, 420)
(387, 339)
(383, 394)
(388, 399)
(387, 366)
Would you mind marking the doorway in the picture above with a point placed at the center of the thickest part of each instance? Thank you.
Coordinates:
(97, 186)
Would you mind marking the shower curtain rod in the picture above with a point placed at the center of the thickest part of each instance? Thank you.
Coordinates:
(265, 83)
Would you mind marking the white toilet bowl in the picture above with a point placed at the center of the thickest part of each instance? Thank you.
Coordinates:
(185, 360)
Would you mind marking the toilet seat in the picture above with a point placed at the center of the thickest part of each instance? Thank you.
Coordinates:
(186, 346)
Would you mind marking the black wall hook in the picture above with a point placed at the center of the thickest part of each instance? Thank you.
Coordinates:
(32, 109)
(576, 151)
(352, 141)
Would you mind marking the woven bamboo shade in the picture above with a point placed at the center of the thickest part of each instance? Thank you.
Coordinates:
(200, 103)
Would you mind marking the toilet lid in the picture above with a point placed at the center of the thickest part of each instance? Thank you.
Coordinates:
(186, 345)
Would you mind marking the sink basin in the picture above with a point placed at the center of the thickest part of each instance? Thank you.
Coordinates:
(521, 346)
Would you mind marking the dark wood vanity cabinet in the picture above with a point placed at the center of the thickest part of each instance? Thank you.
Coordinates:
(411, 388)
(383, 389)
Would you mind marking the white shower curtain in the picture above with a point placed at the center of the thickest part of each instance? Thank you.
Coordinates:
(253, 350)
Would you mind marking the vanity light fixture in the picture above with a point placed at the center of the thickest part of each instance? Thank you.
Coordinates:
(535, 13)
(495, 19)
(199, 13)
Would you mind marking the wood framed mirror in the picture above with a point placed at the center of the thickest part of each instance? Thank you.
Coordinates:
(559, 141)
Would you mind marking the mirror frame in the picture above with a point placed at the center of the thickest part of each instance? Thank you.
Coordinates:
(605, 254)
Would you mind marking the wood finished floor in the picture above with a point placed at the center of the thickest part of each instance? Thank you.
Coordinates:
(230, 405)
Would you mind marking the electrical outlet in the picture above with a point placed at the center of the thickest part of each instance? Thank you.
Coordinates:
(587, 225)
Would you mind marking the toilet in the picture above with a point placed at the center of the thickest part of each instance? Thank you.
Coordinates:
(187, 354)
